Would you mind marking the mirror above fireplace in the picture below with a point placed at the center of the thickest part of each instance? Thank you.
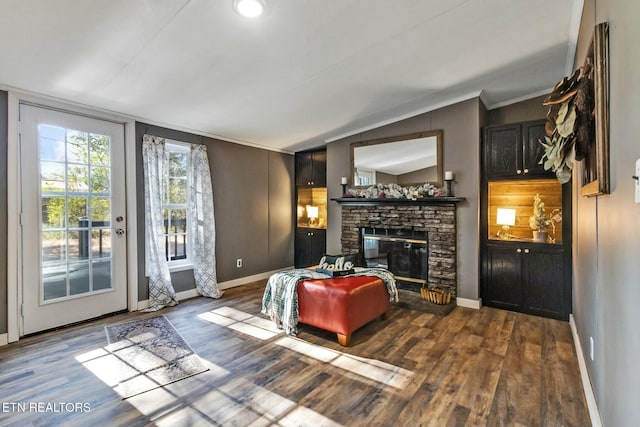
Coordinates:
(404, 160)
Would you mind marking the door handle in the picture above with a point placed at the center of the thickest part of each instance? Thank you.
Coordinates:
(119, 231)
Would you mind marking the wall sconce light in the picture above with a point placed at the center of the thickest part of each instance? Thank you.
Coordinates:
(312, 214)
(343, 181)
(506, 217)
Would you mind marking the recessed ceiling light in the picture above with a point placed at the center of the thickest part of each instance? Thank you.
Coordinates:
(249, 8)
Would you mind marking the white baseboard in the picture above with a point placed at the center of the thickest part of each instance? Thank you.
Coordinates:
(584, 374)
(179, 295)
(4, 339)
(244, 280)
(469, 303)
(191, 293)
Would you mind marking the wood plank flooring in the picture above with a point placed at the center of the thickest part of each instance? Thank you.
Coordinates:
(470, 368)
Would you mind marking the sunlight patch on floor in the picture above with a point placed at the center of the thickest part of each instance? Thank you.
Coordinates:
(112, 365)
(213, 397)
(372, 369)
(240, 321)
(264, 329)
(194, 401)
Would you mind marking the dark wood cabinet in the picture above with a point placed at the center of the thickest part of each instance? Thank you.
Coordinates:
(513, 151)
(503, 151)
(311, 197)
(517, 273)
(543, 280)
(502, 278)
(311, 168)
(525, 277)
(532, 133)
(310, 246)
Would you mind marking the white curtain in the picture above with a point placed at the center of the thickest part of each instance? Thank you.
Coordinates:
(161, 292)
(203, 225)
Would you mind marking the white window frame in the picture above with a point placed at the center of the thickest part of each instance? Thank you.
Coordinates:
(187, 263)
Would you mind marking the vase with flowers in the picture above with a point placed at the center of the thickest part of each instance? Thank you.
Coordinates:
(539, 221)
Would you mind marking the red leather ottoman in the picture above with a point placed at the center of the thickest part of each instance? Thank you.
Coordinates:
(342, 304)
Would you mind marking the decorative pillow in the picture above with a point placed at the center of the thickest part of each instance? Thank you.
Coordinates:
(338, 262)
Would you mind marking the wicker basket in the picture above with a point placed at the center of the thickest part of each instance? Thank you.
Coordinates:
(436, 296)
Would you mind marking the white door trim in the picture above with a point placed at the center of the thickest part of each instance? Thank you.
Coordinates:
(14, 277)
(132, 217)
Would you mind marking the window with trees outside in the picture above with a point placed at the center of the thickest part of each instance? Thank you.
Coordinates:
(176, 204)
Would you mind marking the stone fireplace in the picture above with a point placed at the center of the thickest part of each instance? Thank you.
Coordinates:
(433, 218)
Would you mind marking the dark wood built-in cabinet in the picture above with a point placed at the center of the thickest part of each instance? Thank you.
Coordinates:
(311, 168)
(310, 246)
(527, 277)
(518, 273)
(311, 196)
(514, 150)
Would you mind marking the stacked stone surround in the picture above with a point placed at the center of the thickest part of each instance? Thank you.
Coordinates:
(438, 220)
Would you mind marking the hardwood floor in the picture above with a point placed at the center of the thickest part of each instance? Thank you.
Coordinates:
(470, 368)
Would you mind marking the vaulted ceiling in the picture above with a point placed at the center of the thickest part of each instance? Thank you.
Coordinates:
(305, 73)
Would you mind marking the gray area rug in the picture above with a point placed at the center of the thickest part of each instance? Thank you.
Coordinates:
(149, 353)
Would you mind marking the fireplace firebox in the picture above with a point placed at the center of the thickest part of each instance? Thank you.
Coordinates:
(403, 252)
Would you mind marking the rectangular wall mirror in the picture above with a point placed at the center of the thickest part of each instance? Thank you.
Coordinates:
(403, 160)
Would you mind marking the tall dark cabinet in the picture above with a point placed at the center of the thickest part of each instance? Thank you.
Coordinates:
(517, 272)
(311, 207)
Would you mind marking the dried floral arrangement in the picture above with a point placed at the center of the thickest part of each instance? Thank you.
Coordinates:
(395, 191)
(539, 221)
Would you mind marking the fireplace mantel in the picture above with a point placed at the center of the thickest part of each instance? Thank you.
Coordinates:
(360, 201)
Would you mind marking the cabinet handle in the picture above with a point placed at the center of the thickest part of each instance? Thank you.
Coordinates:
(519, 171)
(526, 251)
(526, 171)
(518, 250)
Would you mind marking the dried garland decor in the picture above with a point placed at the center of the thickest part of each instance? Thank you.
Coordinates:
(395, 191)
(577, 125)
(570, 125)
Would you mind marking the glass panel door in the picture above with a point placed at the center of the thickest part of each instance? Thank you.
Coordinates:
(72, 193)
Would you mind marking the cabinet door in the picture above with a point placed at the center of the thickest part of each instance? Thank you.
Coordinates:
(303, 168)
(542, 278)
(319, 169)
(502, 286)
(503, 151)
(311, 168)
(532, 132)
(309, 247)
